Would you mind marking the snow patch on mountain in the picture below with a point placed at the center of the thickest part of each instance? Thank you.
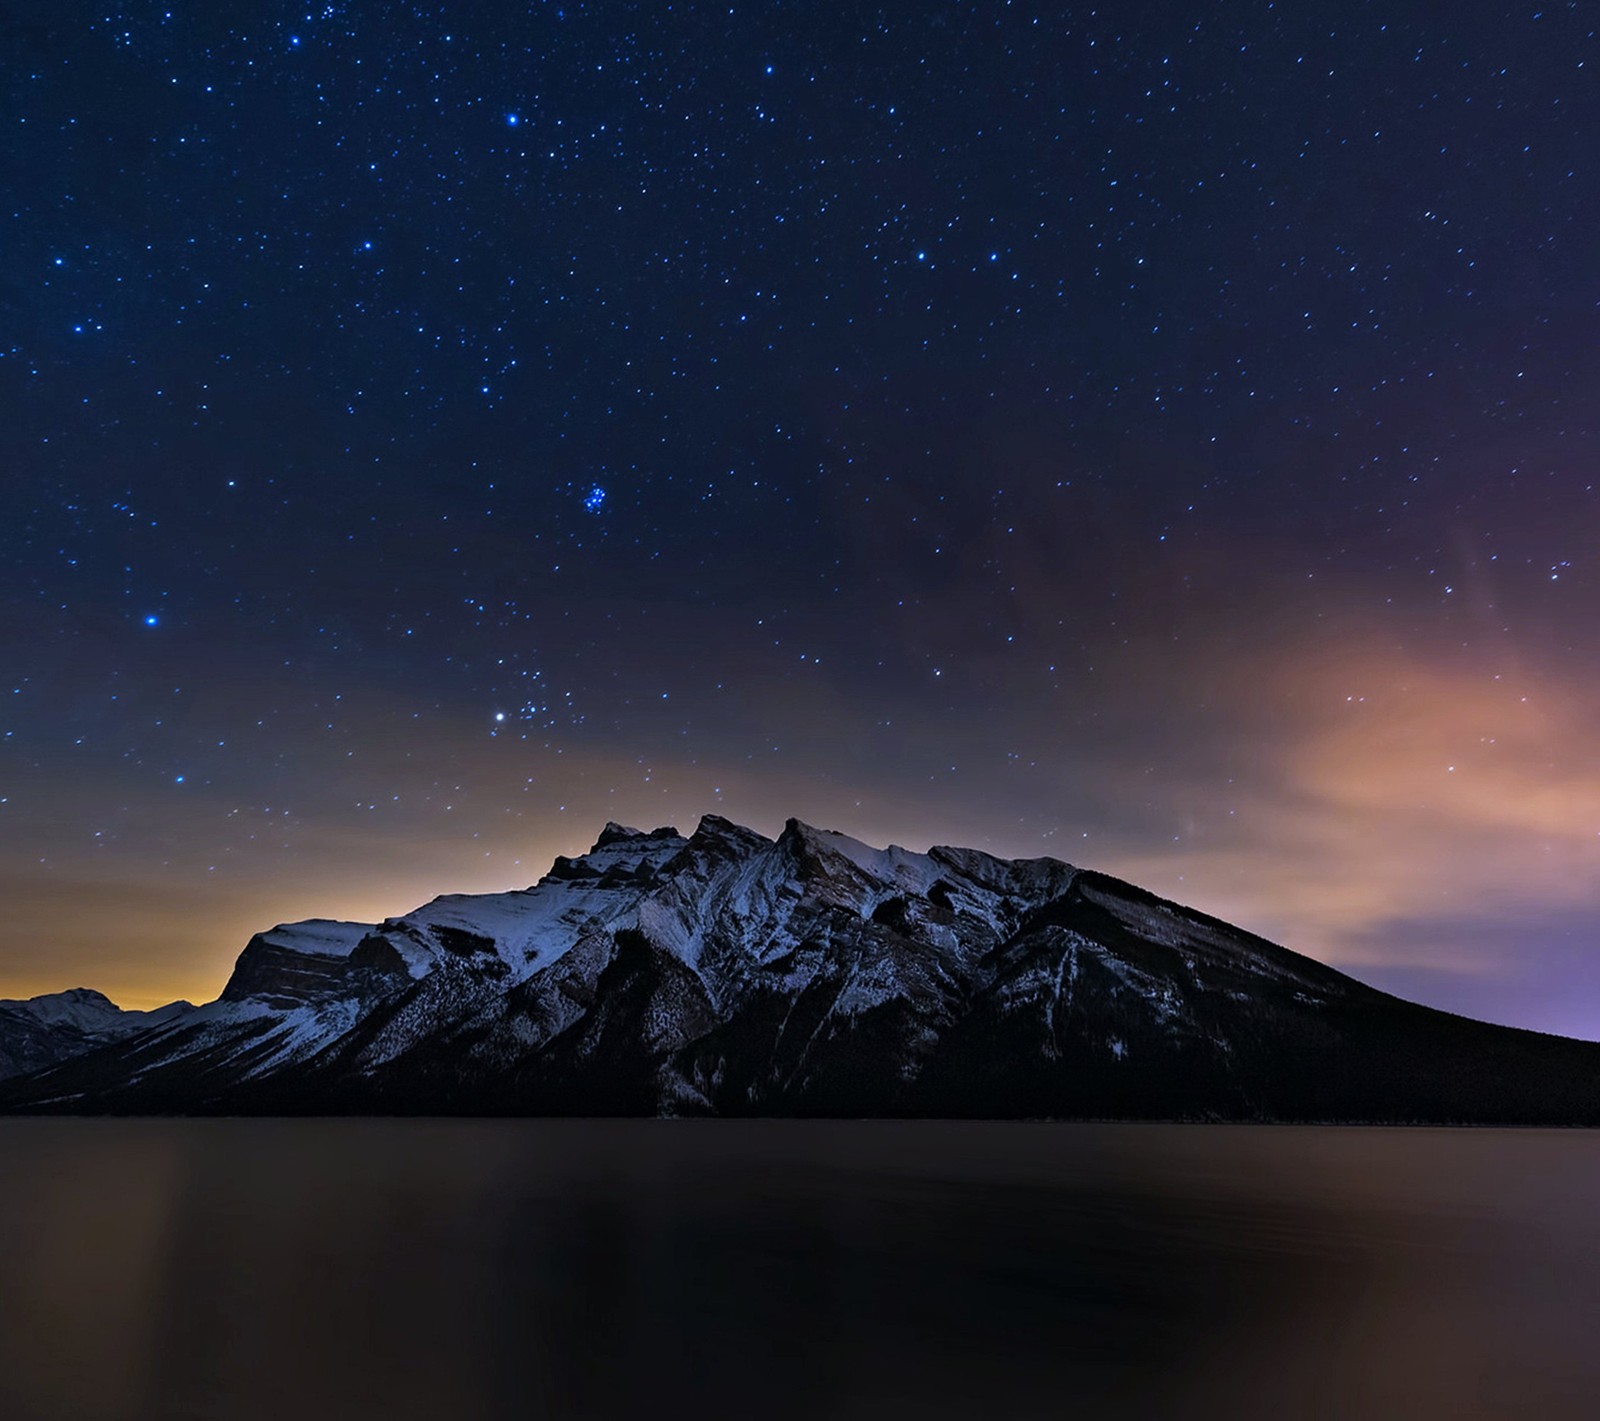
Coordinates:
(320, 937)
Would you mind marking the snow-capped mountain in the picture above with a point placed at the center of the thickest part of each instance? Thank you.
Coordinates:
(43, 1031)
(728, 973)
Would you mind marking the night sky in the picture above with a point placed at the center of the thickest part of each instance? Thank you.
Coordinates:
(1163, 437)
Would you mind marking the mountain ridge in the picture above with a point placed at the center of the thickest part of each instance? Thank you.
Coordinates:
(726, 973)
(37, 1032)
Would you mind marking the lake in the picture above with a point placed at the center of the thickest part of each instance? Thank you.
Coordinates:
(378, 1268)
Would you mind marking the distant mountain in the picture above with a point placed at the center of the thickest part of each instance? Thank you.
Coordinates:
(44, 1031)
(730, 974)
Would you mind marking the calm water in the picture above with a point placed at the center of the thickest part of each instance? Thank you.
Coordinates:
(245, 1269)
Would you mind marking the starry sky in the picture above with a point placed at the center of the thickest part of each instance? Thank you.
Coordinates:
(1163, 437)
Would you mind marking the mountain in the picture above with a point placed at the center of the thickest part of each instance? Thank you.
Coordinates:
(725, 973)
(44, 1031)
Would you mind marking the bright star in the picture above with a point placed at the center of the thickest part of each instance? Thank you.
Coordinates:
(152, 620)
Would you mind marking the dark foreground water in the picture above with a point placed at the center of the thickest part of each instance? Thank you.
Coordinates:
(241, 1269)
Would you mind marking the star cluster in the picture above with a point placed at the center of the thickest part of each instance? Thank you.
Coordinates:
(430, 431)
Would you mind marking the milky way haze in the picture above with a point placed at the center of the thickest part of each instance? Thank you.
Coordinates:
(1160, 437)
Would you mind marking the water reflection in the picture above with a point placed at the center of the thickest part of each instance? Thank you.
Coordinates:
(248, 1269)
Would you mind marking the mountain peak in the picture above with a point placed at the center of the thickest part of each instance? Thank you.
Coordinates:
(615, 833)
(73, 998)
(713, 829)
(798, 834)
